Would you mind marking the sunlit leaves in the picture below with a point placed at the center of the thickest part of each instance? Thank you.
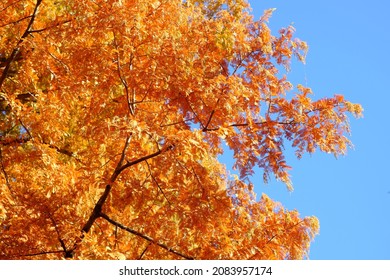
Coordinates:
(113, 114)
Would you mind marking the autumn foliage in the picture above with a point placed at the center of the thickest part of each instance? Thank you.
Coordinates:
(113, 114)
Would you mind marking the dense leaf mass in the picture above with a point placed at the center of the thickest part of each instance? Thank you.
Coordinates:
(113, 114)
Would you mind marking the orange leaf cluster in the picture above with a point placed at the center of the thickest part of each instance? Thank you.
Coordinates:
(113, 114)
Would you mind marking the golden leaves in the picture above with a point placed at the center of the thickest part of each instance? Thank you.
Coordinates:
(199, 74)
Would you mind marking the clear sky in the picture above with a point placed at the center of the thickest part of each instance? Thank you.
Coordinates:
(349, 45)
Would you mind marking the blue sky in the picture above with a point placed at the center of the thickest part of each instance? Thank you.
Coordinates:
(349, 43)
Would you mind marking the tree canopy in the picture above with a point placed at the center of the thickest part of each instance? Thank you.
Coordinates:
(114, 113)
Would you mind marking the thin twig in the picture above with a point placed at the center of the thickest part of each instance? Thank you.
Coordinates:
(144, 251)
(292, 122)
(148, 238)
(39, 253)
(131, 163)
(26, 129)
(130, 103)
(16, 21)
(155, 181)
(178, 122)
(49, 27)
(3, 169)
(9, 5)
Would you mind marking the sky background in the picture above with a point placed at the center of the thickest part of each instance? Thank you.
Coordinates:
(349, 44)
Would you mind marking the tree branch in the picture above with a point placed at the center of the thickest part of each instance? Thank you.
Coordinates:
(248, 124)
(16, 50)
(37, 254)
(130, 100)
(208, 121)
(155, 181)
(120, 167)
(178, 122)
(9, 5)
(7, 182)
(97, 210)
(131, 163)
(68, 253)
(148, 238)
(16, 21)
(144, 251)
(49, 27)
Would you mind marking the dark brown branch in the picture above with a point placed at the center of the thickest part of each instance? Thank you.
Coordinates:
(175, 123)
(68, 253)
(67, 68)
(193, 111)
(99, 205)
(7, 181)
(62, 151)
(120, 167)
(97, 211)
(8, 65)
(27, 32)
(123, 155)
(247, 124)
(16, 50)
(25, 128)
(144, 251)
(130, 103)
(3, 169)
(209, 120)
(49, 27)
(148, 238)
(211, 116)
(39, 253)
(131, 163)
(16, 21)
(10, 141)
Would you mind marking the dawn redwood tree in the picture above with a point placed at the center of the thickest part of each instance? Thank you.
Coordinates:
(113, 113)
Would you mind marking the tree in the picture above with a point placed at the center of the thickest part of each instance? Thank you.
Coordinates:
(114, 113)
